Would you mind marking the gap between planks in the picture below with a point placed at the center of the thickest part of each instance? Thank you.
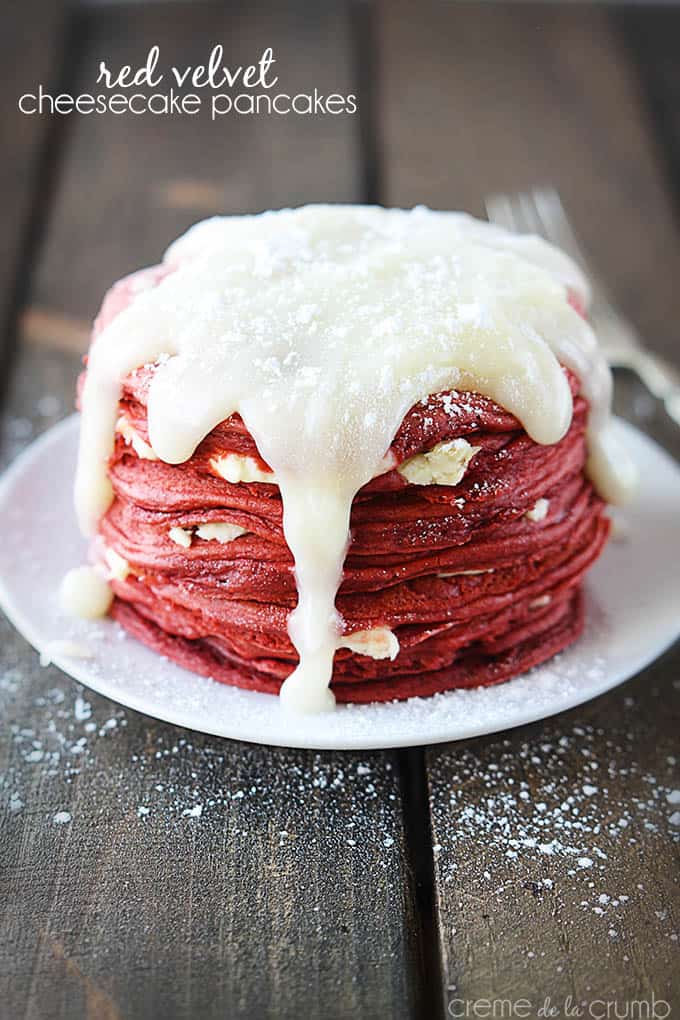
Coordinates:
(46, 327)
(410, 761)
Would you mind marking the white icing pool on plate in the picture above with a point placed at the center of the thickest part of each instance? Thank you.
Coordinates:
(633, 615)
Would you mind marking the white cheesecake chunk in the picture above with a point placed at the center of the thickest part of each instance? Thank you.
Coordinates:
(119, 568)
(444, 464)
(539, 510)
(221, 531)
(234, 467)
(133, 439)
(378, 643)
(180, 536)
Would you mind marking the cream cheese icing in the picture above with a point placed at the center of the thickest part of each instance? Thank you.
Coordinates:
(322, 326)
(85, 593)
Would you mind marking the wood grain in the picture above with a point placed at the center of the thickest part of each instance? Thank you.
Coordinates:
(547, 890)
(516, 816)
(653, 45)
(485, 98)
(195, 877)
(202, 878)
(31, 47)
(474, 100)
(286, 890)
(112, 215)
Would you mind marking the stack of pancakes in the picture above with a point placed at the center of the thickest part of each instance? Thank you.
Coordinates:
(464, 567)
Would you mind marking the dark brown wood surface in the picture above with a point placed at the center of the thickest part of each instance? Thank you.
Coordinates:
(475, 101)
(483, 98)
(199, 877)
(292, 890)
(33, 42)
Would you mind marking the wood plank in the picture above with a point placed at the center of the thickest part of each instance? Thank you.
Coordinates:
(30, 47)
(556, 838)
(112, 215)
(555, 858)
(477, 99)
(653, 44)
(289, 894)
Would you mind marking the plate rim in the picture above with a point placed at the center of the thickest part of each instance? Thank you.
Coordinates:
(77, 669)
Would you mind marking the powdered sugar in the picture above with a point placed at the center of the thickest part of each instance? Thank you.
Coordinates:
(637, 583)
(530, 810)
(250, 314)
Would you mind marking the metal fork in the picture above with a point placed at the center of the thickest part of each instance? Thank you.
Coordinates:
(541, 212)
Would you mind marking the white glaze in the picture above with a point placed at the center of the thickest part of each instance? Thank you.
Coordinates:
(85, 593)
(61, 646)
(322, 326)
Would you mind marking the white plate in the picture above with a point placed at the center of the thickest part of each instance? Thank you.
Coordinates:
(633, 615)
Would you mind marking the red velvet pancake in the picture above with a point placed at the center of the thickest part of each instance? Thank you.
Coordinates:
(475, 590)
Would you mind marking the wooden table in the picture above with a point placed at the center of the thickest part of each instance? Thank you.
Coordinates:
(538, 863)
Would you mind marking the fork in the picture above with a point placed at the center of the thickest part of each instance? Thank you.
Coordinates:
(541, 212)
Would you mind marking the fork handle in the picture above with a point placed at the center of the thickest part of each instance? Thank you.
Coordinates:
(661, 379)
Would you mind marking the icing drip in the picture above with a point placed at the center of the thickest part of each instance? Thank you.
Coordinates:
(85, 593)
(322, 326)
